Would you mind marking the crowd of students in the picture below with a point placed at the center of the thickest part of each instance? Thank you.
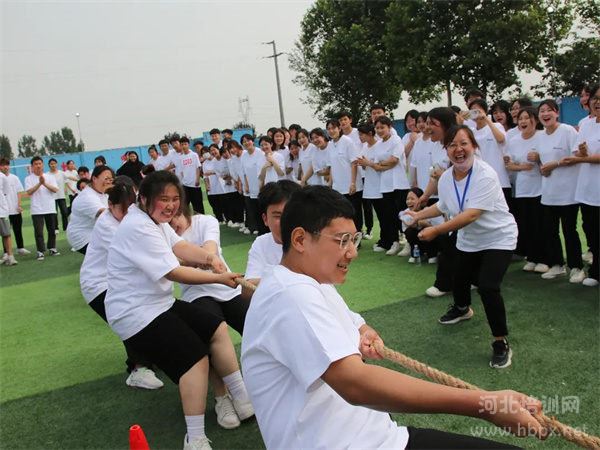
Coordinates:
(468, 189)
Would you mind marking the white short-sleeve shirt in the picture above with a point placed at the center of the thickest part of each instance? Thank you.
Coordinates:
(203, 229)
(372, 181)
(305, 158)
(492, 152)
(83, 216)
(425, 155)
(251, 165)
(92, 275)
(495, 229)
(138, 260)
(163, 161)
(290, 307)
(59, 176)
(271, 174)
(264, 254)
(588, 183)
(4, 193)
(189, 168)
(71, 178)
(12, 198)
(42, 200)
(214, 180)
(341, 156)
(320, 161)
(394, 178)
(558, 189)
(528, 183)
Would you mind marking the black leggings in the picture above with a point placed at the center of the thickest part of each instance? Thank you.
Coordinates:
(567, 217)
(16, 222)
(425, 438)
(133, 358)
(232, 311)
(444, 275)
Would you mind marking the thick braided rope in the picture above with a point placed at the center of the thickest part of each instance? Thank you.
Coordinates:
(577, 437)
(245, 284)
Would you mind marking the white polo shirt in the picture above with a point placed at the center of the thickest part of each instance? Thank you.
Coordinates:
(372, 181)
(92, 275)
(588, 183)
(83, 216)
(202, 230)
(42, 200)
(558, 189)
(189, 169)
(251, 165)
(394, 178)
(495, 228)
(12, 198)
(528, 183)
(139, 258)
(263, 255)
(294, 407)
(492, 152)
(341, 156)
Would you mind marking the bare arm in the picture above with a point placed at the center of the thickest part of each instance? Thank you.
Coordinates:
(195, 254)
(498, 135)
(189, 275)
(306, 176)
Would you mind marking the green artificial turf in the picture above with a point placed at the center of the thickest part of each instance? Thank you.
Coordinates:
(62, 378)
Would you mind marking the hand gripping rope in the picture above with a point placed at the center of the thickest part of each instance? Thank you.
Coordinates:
(566, 432)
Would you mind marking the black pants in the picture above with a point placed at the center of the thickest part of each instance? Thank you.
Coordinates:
(530, 221)
(446, 265)
(71, 198)
(367, 206)
(61, 205)
(429, 248)
(38, 230)
(396, 200)
(193, 195)
(237, 201)
(233, 311)
(591, 222)
(133, 358)
(567, 217)
(252, 216)
(425, 438)
(230, 206)
(385, 239)
(485, 269)
(216, 203)
(356, 200)
(16, 223)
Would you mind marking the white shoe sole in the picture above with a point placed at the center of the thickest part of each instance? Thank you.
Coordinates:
(466, 316)
(506, 364)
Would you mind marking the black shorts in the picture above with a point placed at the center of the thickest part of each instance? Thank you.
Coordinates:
(425, 438)
(232, 311)
(177, 339)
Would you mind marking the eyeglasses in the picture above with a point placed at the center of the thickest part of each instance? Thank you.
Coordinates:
(595, 98)
(343, 239)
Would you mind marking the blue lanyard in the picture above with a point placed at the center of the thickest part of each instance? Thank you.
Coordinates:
(461, 201)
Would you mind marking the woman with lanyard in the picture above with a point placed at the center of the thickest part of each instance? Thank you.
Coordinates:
(87, 207)
(587, 155)
(471, 194)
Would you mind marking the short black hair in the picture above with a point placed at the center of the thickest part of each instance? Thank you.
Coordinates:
(417, 191)
(344, 113)
(100, 158)
(551, 103)
(522, 101)
(312, 208)
(266, 139)
(453, 131)
(227, 130)
(383, 120)
(98, 170)
(446, 116)
(276, 192)
(152, 147)
(455, 108)
(70, 161)
(481, 103)
(375, 106)
(34, 159)
(247, 136)
(4, 162)
(184, 139)
(199, 142)
(147, 169)
(366, 128)
(162, 142)
(80, 182)
(333, 122)
(174, 138)
(295, 126)
(411, 113)
(83, 169)
(473, 92)
(272, 130)
(122, 192)
(52, 160)
(152, 187)
(214, 131)
(318, 132)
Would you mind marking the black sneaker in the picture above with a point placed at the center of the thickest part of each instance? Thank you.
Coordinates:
(502, 354)
(455, 314)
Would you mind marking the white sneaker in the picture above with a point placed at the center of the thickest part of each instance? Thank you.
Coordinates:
(40, 256)
(255, 232)
(4, 258)
(367, 237)
(144, 378)
(238, 224)
(54, 252)
(553, 272)
(56, 231)
(432, 260)
(576, 276)
(588, 257)
(23, 251)
(226, 415)
(402, 239)
(405, 251)
(394, 249)
(378, 249)
(73, 249)
(11, 261)
(244, 410)
(411, 260)
(529, 267)
(541, 268)
(590, 282)
(230, 224)
(202, 443)
(242, 229)
(434, 292)
(247, 231)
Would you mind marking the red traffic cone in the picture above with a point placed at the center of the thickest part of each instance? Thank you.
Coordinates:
(137, 439)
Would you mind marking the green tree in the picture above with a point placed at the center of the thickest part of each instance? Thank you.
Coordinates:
(341, 60)
(5, 148)
(62, 141)
(28, 147)
(465, 43)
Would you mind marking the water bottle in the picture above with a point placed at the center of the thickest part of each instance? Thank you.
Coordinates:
(417, 254)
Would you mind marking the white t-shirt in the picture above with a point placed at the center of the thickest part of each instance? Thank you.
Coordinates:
(71, 178)
(495, 228)
(354, 137)
(341, 155)
(394, 178)
(92, 275)
(585, 120)
(559, 188)
(222, 169)
(305, 158)
(14, 186)
(271, 174)
(512, 132)
(163, 161)
(59, 176)
(425, 155)
(4, 193)
(214, 180)
(492, 152)
(372, 181)
(203, 229)
(83, 216)
(138, 260)
(588, 183)
(189, 164)
(528, 183)
(264, 254)
(320, 161)
(42, 200)
(235, 167)
(251, 165)
(288, 307)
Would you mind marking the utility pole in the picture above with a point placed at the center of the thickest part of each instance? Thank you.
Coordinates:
(275, 55)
